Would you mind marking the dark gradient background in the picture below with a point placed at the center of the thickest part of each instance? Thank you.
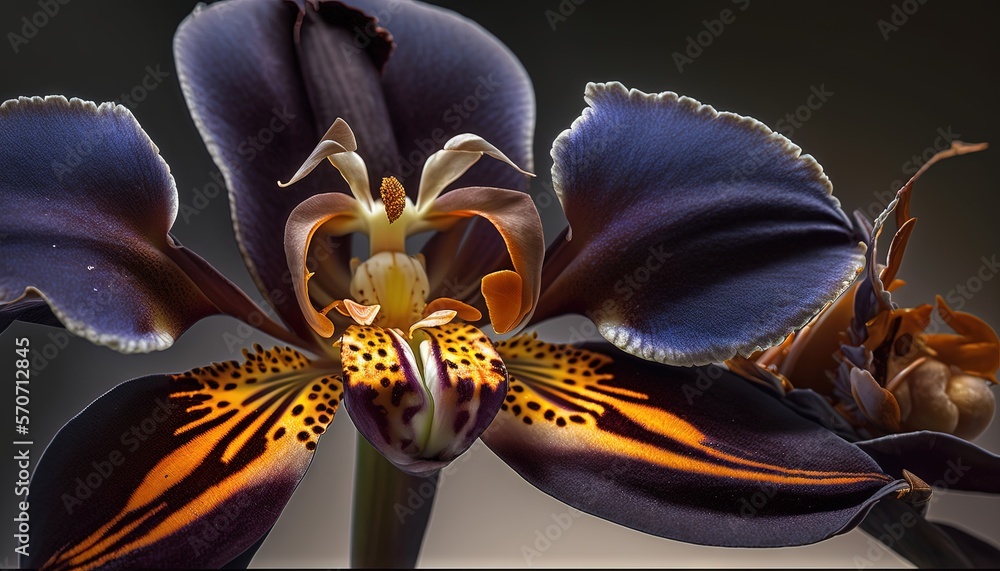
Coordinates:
(889, 100)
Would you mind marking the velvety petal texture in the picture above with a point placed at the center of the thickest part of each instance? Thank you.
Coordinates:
(695, 235)
(186, 470)
(87, 206)
(693, 454)
(265, 79)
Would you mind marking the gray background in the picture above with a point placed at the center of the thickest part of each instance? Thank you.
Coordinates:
(890, 98)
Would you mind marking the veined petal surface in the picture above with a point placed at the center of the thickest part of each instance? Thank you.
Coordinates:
(693, 454)
(186, 470)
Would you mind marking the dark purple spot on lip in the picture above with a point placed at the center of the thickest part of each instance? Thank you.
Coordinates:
(461, 419)
(409, 412)
(466, 390)
(398, 390)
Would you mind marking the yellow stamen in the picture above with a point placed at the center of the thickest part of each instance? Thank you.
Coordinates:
(393, 197)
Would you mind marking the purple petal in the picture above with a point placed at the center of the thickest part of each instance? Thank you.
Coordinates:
(696, 235)
(239, 72)
(447, 76)
(693, 454)
(941, 460)
(185, 470)
(88, 203)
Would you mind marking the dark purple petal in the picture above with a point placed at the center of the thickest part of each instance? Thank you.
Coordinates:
(696, 235)
(693, 454)
(87, 206)
(239, 71)
(941, 460)
(186, 470)
(448, 76)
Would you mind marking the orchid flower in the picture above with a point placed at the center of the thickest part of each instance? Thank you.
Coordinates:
(735, 259)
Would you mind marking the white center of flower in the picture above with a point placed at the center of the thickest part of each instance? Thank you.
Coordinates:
(395, 281)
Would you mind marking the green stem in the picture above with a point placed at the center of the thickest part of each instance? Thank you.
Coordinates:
(391, 511)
